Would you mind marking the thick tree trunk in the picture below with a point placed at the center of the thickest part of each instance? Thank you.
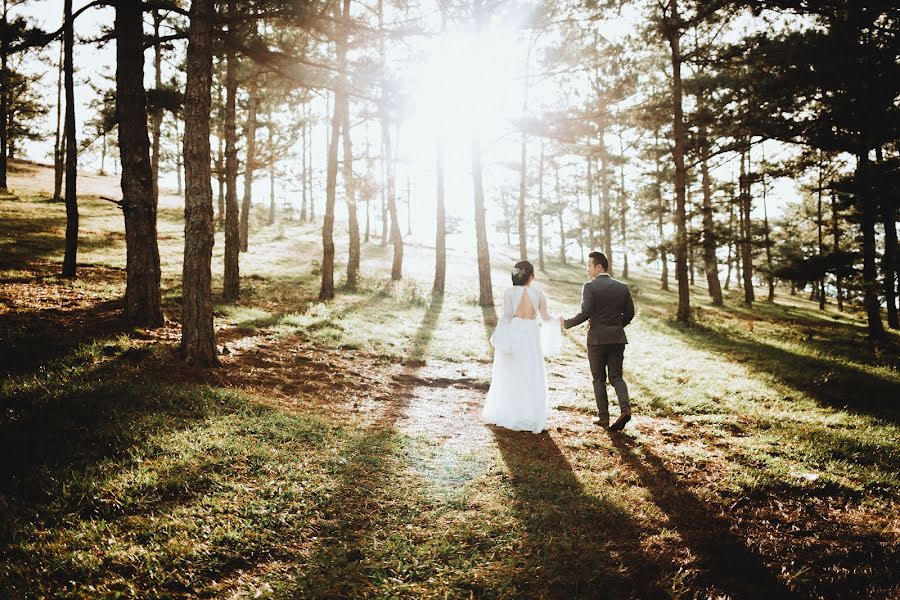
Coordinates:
(58, 148)
(440, 237)
(198, 340)
(889, 259)
(4, 96)
(870, 270)
(326, 290)
(231, 289)
(158, 112)
(350, 194)
(485, 291)
(249, 165)
(674, 38)
(71, 256)
(710, 244)
(142, 298)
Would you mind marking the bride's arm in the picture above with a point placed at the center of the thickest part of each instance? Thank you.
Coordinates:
(507, 304)
(542, 306)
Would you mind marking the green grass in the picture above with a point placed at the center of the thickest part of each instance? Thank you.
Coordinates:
(764, 459)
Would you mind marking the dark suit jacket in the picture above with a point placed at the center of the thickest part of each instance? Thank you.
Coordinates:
(607, 303)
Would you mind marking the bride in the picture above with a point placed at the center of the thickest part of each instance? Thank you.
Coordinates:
(517, 398)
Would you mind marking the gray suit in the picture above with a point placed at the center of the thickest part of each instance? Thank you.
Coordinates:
(607, 303)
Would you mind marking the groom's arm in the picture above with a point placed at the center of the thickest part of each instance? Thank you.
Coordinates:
(628, 314)
(587, 307)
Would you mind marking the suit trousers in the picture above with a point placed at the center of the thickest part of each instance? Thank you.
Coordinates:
(608, 358)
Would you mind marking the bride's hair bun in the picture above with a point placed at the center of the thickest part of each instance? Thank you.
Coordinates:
(522, 272)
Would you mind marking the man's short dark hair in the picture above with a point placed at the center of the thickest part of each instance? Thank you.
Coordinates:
(599, 259)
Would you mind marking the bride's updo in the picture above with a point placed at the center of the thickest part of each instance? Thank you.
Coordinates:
(522, 273)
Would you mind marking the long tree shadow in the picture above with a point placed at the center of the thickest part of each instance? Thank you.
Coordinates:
(362, 501)
(828, 380)
(727, 566)
(577, 545)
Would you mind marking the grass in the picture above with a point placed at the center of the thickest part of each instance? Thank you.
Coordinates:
(339, 453)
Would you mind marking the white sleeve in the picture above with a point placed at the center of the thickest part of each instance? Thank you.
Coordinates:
(507, 304)
(542, 306)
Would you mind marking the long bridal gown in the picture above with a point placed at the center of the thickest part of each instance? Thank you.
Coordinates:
(518, 397)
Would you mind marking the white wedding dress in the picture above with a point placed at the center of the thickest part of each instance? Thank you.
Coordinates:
(518, 398)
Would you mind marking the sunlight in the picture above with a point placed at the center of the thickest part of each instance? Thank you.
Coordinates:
(467, 81)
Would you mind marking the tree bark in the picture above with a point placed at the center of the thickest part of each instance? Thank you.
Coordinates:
(58, 148)
(485, 291)
(396, 239)
(440, 237)
(770, 276)
(673, 30)
(870, 274)
(198, 340)
(746, 233)
(821, 239)
(158, 112)
(232, 282)
(220, 166)
(889, 259)
(350, 194)
(249, 164)
(326, 290)
(660, 211)
(710, 259)
(142, 297)
(71, 256)
(4, 96)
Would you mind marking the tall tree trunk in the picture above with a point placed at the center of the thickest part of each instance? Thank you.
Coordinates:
(440, 237)
(220, 166)
(660, 212)
(747, 233)
(540, 211)
(889, 258)
(198, 339)
(326, 290)
(71, 256)
(836, 232)
(4, 95)
(485, 291)
(232, 282)
(590, 195)
(870, 270)
(605, 192)
(821, 239)
(710, 261)
(304, 184)
(770, 276)
(58, 148)
(158, 111)
(271, 220)
(142, 298)
(350, 193)
(250, 164)
(396, 239)
(673, 30)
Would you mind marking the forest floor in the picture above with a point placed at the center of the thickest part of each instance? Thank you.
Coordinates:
(338, 452)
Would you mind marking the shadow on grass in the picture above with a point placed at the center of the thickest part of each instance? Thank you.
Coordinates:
(727, 565)
(578, 545)
(829, 381)
(425, 333)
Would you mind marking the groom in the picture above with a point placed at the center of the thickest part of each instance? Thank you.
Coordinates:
(607, 303)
